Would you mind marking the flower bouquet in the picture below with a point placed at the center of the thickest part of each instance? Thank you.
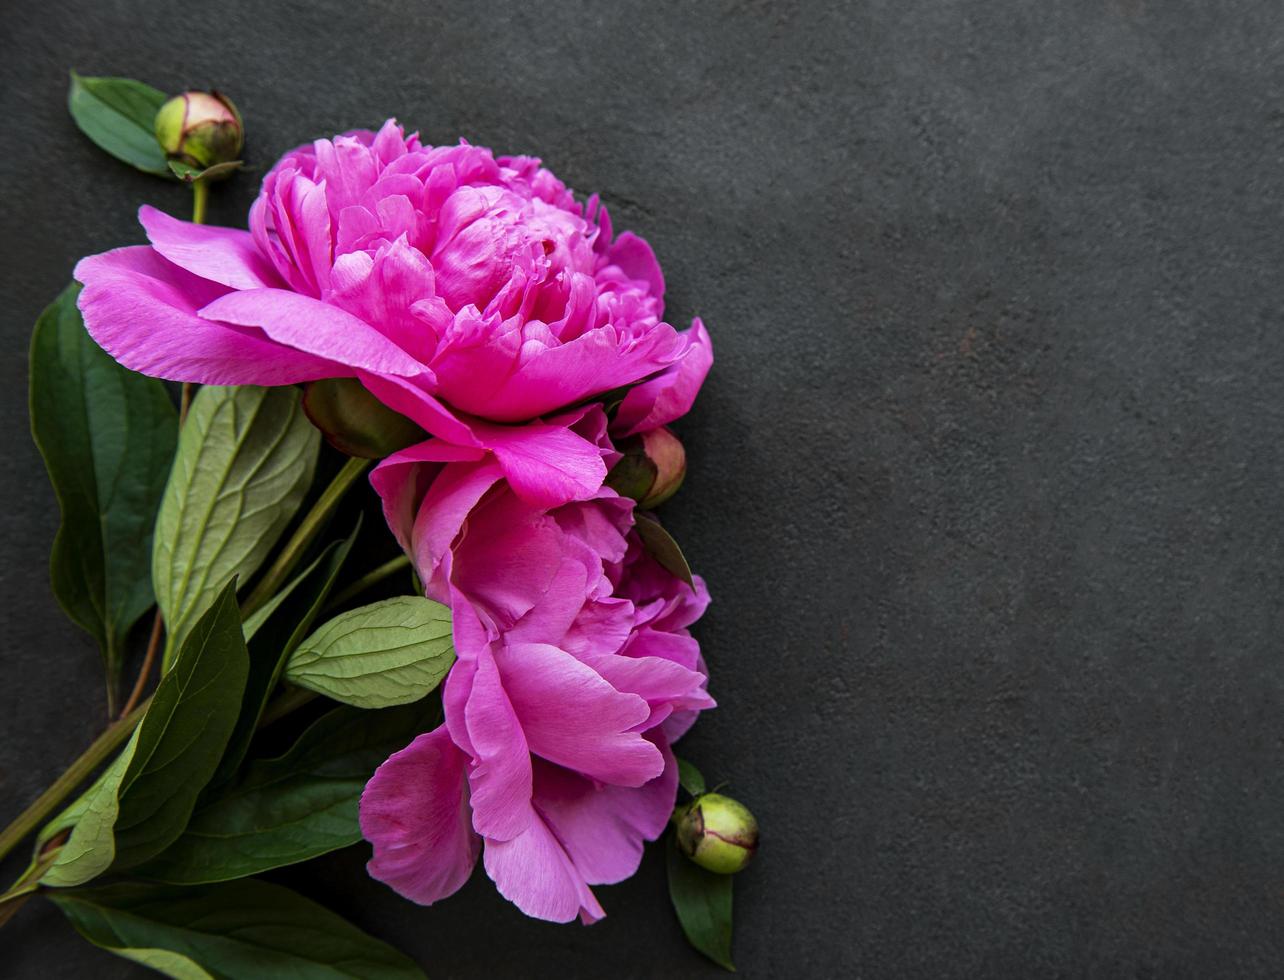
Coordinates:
(485, 348)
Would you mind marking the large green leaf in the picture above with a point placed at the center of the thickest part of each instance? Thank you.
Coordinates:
(244, 930)
(702, 900)
(107, 437)
(119, 114)
(289, 809)
(387, 653)
(245, 459)
(143, 800)
(273, 633)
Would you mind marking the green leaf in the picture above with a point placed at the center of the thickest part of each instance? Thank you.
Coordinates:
(142, 802)
(119, 114)
(107, 437)
(690, 777)
(189, 174)
(243, 930)
(273, 633)
(296, 807)
(387, 653)
(245, 460)
(661, 545)
(702, 900)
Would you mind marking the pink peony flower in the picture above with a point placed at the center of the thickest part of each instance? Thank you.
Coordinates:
(575, 671)
(462, 289)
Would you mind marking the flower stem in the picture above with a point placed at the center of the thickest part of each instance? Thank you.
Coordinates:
(76, 773)
(153, 645)
(303, 536)
(370, 578)
(200, 197)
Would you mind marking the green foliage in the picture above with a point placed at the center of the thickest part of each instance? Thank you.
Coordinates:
(661, 545)
(107, 437)
(690, 777)
(384, 654)
(119, 115)
(243, 930)
(245, 460)
(702, 901)
(295, 807)
(144, 799)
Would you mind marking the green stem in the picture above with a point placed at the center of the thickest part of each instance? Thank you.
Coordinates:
(200, 198)
(76, 773)
(371, 578)
(303, 536)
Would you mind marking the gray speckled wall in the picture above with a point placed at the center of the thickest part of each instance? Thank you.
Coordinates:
(985, 481)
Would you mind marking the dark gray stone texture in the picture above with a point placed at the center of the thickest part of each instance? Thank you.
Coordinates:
(985, 482)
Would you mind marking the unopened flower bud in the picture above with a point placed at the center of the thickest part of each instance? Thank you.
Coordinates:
(200, 129)
(717, 833)
(353, 421)
(652, 469)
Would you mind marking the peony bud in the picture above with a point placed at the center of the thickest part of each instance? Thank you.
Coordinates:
(652, 469)
(717, 833)
(200, 129)
(353, 421)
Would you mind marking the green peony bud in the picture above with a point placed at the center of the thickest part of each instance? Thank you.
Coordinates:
(200, 129)
(353, 421)
(717, 833)
(652, 469)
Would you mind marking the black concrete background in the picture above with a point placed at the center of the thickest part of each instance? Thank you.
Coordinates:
(985, 482)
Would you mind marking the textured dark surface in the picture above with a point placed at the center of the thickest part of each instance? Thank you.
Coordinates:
(985, 482)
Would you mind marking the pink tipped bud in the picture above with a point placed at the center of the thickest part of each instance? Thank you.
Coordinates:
(652, 469)
(200, 129)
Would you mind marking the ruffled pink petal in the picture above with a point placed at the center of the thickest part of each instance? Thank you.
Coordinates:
(382, 289)
(637, 260)
(501, 774)
(141, 309)
(603, 829)
(534, 872)
(571, 716)
(506, 569)
(666, 686)
(309, 325)
(415, 813)
(224, 255)
(546, 464)
(595, 361)
(412, 398)
(402, 479)
(669, 395)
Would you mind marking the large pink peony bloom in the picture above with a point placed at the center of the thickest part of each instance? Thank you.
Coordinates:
(462, 289)
(575, 671)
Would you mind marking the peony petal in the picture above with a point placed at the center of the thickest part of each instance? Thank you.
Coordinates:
(571, 716)
(546, 464)
(141, 309)
(669, 395)
(402, 479)
(310, 325)
(603, 829)
(549, 378)
(224, 255)
(414, 812)
(637, 260)
(534, 872)
(501, 775)
(666, 686)
(412, 398)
